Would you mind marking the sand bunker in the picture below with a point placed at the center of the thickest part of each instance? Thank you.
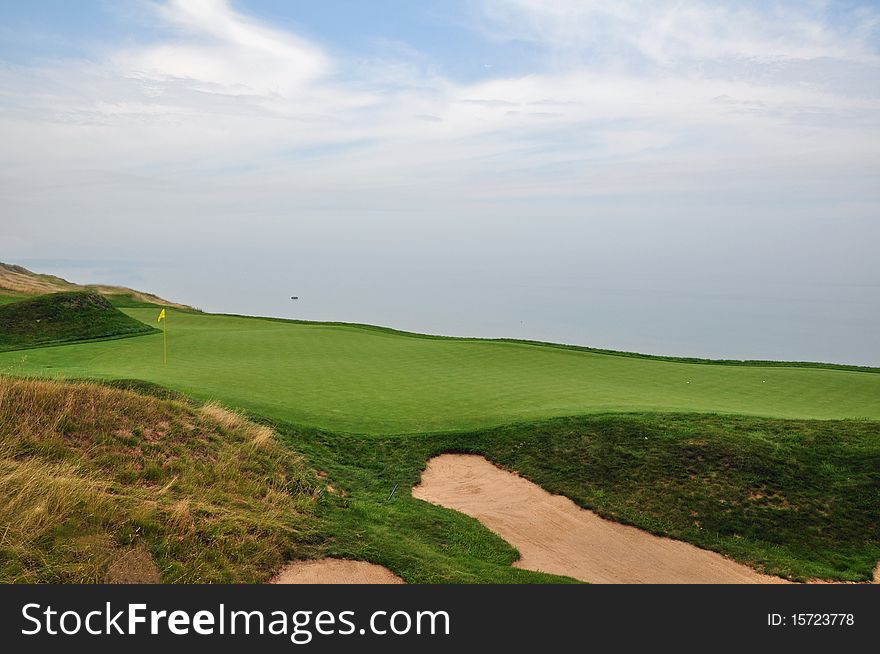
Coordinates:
(335, 571)
(555, 535)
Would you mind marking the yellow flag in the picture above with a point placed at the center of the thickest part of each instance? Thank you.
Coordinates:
(164, 335)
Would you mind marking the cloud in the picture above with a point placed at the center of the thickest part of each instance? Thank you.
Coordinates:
(222, 50)
(224, 118)
(670, 33)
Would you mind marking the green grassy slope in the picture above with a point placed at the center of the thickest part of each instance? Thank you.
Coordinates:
(63, 317)
(362, 380)
(790, 497)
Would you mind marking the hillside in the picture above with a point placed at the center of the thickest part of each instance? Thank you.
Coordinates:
(104, 484)
(63, 317)
(19, 281)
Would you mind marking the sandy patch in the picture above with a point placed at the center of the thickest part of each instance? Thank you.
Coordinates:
(134, 566)
(555, 535)
(335, 571)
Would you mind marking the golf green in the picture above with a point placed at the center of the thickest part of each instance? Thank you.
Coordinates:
(366, 380)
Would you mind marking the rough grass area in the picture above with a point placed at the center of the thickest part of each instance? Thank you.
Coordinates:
(62, 318)
(104, 484)
(795, 498)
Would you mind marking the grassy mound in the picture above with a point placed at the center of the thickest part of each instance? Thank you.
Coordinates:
(103, 484)
(61, 318)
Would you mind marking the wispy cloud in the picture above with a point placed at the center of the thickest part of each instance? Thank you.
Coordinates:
(217, 49)
(671, 33)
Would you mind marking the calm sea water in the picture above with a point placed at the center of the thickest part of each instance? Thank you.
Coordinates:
(660, 312)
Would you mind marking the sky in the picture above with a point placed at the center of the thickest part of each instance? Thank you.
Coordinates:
(225, 153)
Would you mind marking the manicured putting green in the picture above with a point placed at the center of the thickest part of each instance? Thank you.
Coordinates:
(372, 381)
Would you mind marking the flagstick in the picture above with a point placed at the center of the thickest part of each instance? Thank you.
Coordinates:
(165, 340)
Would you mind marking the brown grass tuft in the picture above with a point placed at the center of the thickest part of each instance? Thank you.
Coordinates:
(260, 435)
(221, 416)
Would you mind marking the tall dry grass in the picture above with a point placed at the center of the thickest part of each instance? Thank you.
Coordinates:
(90, 475)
